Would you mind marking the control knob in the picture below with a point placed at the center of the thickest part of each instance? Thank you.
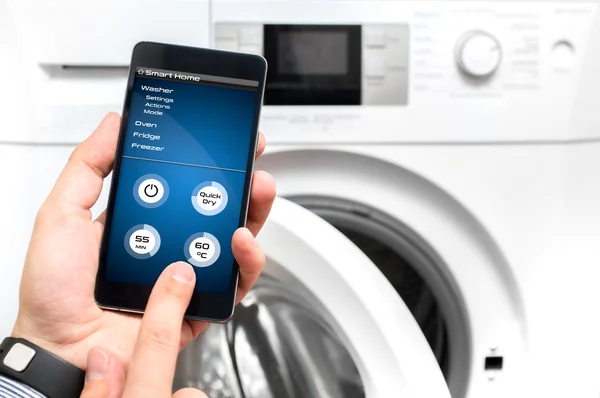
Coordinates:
(478, 54)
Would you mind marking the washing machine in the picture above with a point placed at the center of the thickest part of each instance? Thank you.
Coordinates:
(436, 162)
(455, 144)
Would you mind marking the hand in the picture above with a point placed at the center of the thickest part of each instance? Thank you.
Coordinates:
(57, 310)
(152, 367)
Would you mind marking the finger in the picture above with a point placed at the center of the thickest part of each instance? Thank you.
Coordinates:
(105, 376)
(99, 225)
(262, 195)
(80, 183)
(250, 258)
(196, 327)
(189, 393)
(152, 365)
(101, 218)
(262, 143)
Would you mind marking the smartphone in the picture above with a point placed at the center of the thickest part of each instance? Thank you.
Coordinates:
(182, 175)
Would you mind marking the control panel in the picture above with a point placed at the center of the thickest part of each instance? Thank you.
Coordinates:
(385, 64)
(241, 37)
(383, 56)
(436, 71)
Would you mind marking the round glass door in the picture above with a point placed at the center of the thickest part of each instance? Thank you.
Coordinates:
(321, 322)
(276, 345)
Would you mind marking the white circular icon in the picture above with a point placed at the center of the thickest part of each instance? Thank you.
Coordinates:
(202, 249)
(209, 198)
(151, 190)
(142, 241)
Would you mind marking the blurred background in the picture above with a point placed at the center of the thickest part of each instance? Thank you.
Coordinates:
(437, 165)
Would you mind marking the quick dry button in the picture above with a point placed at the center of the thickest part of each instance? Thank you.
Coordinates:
(142, 241)
(202, 249)
(151, 190)
(209, 198)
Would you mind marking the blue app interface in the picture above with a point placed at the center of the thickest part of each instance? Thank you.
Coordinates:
(182, 175)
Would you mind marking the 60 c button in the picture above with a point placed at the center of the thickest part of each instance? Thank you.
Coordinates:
(202, 249)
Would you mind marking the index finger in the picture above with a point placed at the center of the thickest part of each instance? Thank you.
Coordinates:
(262, 143)
(152, 366)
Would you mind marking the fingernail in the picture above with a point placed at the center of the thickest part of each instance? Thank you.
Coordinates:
(97, 365)
(182, 272)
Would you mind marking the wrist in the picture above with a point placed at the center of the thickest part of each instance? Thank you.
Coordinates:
(24, 330)
(34, 366)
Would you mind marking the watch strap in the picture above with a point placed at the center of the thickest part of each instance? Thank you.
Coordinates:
(41, 370)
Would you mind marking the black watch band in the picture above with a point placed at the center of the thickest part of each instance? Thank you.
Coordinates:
(41, 370)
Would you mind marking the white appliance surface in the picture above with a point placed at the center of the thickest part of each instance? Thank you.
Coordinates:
(496, 174)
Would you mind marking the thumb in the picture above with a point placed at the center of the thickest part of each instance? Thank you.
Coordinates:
(105, 376)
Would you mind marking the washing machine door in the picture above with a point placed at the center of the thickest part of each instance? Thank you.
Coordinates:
(321, 322)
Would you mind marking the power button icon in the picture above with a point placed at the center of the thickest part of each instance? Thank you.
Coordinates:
(151, 190)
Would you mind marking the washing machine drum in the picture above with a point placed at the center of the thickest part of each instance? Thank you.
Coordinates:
(322, 321)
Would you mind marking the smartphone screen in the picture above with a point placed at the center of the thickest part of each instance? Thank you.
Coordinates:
(182, 175)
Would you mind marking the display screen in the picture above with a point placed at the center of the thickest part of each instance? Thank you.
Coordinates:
(313, 52)
(313, 64)
(183, 169)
